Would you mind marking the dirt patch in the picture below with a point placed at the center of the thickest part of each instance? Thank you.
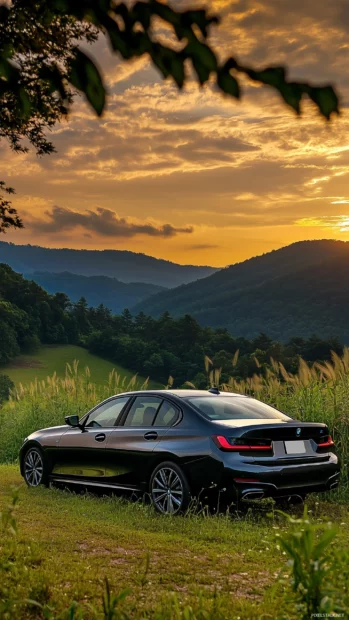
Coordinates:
(91, 549)
(21, 363)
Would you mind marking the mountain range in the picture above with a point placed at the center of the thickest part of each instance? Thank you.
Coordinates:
(97, 290)
(297, 290)
(121, 264)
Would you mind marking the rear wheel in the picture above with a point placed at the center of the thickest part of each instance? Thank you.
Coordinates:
(169, 489)
(34, 469)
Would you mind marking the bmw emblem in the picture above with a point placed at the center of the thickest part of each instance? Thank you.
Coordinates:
(298, 432)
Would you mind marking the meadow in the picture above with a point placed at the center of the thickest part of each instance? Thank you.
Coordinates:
(195, 567)
(50, 359)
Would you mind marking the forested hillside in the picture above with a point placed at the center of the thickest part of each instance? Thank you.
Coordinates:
(97, 290)
(30, 316)
(300, 289)
(157, 348)
(121, 264)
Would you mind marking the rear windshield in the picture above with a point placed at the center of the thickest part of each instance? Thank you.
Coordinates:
(235, 408)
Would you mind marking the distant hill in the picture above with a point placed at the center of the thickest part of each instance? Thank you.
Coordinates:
(121, 264)
(300, 289)
(97, 290)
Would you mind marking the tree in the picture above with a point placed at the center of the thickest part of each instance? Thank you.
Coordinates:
(80, 313)
(127, 321)
(262, 342)
(41, 62)
(9, 346)
(34, 41)
(6, 384)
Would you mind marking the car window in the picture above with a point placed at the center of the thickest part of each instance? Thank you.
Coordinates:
(108, 413)
(167, 414)
(235, 408)
(143, 411)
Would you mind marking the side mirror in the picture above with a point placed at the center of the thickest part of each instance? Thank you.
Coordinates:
(72, 420)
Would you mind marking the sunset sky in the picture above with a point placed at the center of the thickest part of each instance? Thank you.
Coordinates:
(195, 177)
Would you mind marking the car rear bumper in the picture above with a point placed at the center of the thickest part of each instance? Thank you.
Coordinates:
(255, 482)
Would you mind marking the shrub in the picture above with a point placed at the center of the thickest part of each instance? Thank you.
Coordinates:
(313, 567)
(6, 385)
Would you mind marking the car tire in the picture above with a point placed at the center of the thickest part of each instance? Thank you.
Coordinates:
(169, 489)
(35, 472)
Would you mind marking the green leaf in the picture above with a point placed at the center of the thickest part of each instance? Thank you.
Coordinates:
(7, 70)
(228, 84)
(86, 77)
(169, 63)
(292, 95)
(24, 102)
(177, 71)
(203, 59)
(325, 541)
(200, 19)
(326, 100)
(275, 77)
(203, 53)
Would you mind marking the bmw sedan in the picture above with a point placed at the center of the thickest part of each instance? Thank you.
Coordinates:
(176, 444)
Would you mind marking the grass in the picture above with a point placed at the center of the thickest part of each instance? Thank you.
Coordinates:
(67, 544)
(53, 359)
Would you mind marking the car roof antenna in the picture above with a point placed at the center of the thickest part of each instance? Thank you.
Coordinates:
(214, 390)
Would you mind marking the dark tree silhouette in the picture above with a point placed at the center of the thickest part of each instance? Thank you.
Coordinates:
(8, 215)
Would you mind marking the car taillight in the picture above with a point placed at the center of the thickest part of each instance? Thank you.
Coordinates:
(240, 445)
(326, 444)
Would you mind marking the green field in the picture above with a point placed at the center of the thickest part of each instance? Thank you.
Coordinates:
(50, 359)
(225, 566)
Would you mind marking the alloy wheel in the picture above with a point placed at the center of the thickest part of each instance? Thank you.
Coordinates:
(33, 468)
(167, 491)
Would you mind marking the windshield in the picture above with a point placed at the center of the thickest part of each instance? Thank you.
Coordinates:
(235, 408)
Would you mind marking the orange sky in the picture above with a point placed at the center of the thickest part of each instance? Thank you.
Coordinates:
(195, 177)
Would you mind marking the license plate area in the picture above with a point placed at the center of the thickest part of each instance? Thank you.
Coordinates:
(295, 447)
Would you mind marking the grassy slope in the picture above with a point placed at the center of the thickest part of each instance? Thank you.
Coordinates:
(72, 542)
(50, 359)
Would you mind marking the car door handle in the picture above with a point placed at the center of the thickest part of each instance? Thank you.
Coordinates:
(100, 437)
(151, 435)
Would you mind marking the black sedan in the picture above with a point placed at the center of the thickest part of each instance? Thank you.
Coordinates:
(177, 444)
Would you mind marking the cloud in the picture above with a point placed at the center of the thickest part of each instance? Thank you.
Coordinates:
(103, 222)
(249, 169)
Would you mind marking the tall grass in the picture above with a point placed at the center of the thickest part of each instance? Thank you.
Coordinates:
(46, 403)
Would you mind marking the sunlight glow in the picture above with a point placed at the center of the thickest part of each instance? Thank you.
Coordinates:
(340, 223)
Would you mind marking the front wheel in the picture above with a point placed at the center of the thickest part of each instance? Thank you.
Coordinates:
(169, 489)
(34, 470)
